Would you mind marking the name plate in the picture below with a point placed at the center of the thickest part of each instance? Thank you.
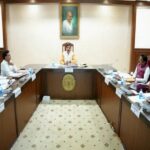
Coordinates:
(119, 92)
(17, 92)
(33, 77)
(107, 80)
(69, 70)
(136, 110)
(2, 107)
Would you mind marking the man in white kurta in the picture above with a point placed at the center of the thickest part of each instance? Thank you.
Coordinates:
(7, 68)
(68, 56)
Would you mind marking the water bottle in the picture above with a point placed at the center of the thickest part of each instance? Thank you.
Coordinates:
(1, 91)
(141, 96)
(53, 64)
(122, 81)
(30, 71)
(112, 74)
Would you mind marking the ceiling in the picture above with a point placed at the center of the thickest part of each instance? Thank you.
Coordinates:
(77, 1)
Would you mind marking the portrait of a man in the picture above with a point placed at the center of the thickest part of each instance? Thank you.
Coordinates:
(69, 23)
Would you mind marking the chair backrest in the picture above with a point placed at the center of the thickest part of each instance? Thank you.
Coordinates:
(67, 44)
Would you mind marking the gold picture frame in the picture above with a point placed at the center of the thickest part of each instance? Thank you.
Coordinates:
(69, 21)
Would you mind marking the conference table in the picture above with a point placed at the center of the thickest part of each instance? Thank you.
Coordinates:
(72, 83)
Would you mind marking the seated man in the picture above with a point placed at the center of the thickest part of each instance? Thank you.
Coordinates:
(142, 70)
(144, 87)
(68, 56)
(7, 67)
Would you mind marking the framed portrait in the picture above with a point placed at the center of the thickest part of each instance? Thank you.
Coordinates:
(69, 21)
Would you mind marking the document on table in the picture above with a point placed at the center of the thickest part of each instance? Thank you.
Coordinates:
(18, 75)
(4, 83)
(134, 99)
(124, 75)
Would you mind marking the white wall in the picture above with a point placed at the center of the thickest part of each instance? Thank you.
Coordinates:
(105, 34)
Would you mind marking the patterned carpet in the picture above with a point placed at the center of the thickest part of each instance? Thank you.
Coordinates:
(68, 125)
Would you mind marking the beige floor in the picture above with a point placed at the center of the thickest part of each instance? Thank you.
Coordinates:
(68, 125)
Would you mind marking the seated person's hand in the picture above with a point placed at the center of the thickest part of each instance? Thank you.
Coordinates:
(148, 83)
(67, 62)
(143, 87)
(10, 63)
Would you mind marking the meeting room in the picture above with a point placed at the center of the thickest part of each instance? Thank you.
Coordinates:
(74, 74)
